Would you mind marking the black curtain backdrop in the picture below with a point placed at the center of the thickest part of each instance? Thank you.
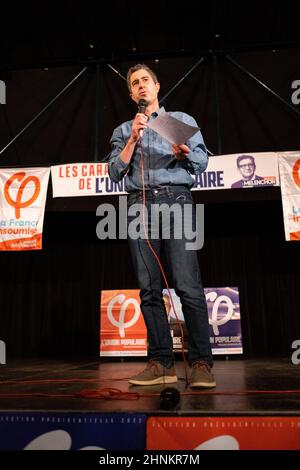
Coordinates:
(251, 119)
(50, 299)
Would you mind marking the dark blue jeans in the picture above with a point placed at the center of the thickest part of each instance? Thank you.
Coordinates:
(184, 273)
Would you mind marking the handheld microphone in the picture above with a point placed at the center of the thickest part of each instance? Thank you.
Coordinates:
(142, 106)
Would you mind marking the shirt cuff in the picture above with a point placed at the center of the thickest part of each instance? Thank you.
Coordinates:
(120, 164)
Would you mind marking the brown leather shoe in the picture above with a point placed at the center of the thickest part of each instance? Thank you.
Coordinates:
(201, 376)
(155, 373)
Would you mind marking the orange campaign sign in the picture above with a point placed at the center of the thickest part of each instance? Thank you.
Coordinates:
(289, 167)
(22, 206)
(122, 330)
(221, 433)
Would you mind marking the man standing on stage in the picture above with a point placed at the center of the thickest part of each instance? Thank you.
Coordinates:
(167, 180)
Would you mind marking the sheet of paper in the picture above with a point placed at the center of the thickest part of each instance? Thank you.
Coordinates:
(170, 128)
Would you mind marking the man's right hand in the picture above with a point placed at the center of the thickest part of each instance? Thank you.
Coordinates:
(139, 122)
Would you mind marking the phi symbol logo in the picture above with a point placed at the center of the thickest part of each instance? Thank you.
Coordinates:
(18, 204)
(214, 321)
(296, 173)
(120, 322)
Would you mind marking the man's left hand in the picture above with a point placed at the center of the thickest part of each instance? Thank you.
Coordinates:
(180, 151)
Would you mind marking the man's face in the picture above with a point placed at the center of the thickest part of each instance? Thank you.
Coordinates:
(247, 168)
(143, 87)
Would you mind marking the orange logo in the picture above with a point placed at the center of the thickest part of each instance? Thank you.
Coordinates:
(296, 173)
(18, 204)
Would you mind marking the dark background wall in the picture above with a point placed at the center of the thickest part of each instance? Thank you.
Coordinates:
(50, 298)
(251, 118)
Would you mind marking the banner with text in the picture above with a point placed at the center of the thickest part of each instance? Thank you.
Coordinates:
(83, 179)
(122, 327)
(223, 433)
(224, 316)
(23, 197)
(123, 331)
(72, 431)
(223, 172)
(289, 168)
(249, 170)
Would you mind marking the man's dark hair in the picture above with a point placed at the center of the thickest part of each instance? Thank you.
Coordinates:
(137, 67)
(243, 157)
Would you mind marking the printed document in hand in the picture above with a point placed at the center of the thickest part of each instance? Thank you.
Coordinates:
(170, 128)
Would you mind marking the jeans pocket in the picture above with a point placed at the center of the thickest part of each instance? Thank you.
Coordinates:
(184, 197)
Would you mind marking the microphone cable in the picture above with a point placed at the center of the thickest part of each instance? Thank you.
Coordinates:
(158, 260)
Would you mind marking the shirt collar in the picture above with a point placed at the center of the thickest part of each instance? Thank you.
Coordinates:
(156, 113)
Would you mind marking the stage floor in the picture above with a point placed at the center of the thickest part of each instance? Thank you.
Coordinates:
(264, 387)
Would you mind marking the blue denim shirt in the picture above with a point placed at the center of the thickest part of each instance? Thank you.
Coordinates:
(161, 168)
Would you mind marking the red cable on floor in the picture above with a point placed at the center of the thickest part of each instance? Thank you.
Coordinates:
(116, 394)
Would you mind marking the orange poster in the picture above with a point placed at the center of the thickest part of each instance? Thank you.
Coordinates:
(122, 327)
(23, 194)
(221, 433)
